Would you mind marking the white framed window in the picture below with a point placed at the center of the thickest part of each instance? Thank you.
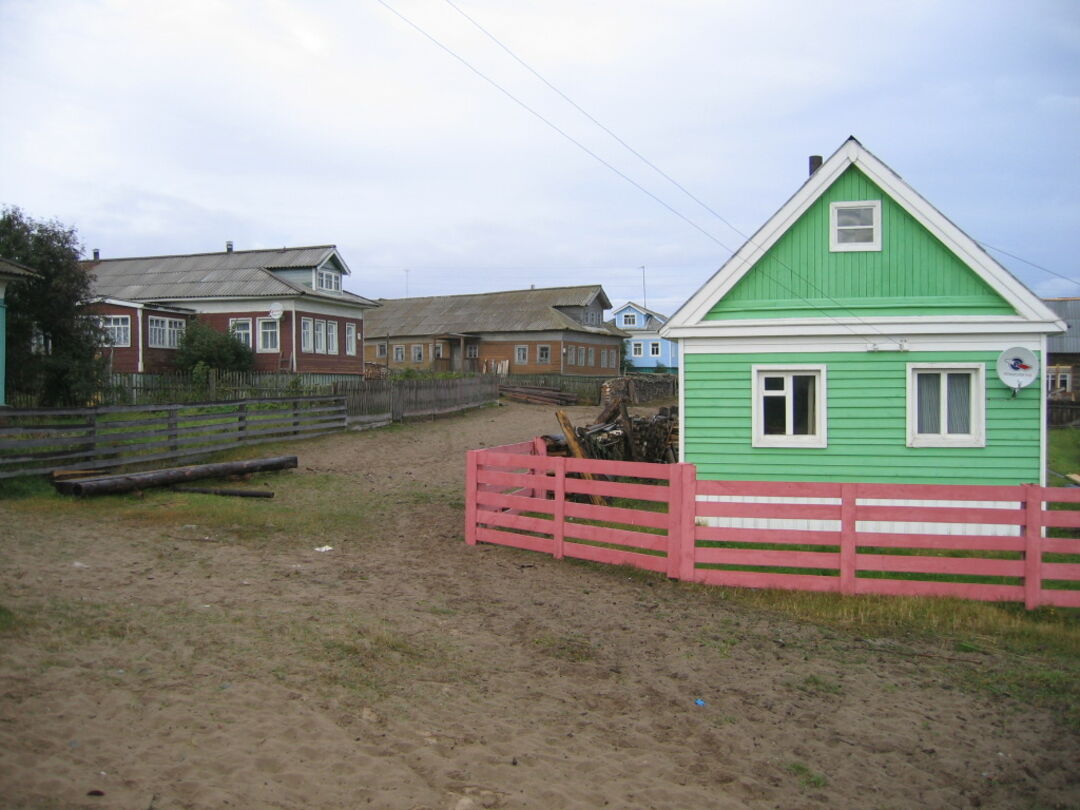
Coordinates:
(789, 408)
(654, 349)
(581, 355)
(268, 335)
(117, 329)
(521, 355)
(1059, 378)
(629, 319)
(240, 328)
(328, 280)
(946, 405)
(472, 351)
(636, 349)
(592, 357)
(320, 336)
(350, 338)
(165, 333)
(331, 337)
(571, 355)
(307, 335)
(380, 350)
(543, 355)
(437, 349)
(855, 226)
(399, 353)
(417, 352)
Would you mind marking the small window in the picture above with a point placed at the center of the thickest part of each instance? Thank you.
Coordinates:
(331, 337)
(1059, 379)
(320, 336)
(945, 405)
(521, 355)
(268, 335)
(418, 352)
(855, 226)
(789, 406)
(472, 351)
(543, 355)
(399, 354)
(437, 348)
(380, 350)
(629, 319)
(654, 349)
(328, 280)
(240, 328)
(350, 338)
(581, 355)
(592, 357)
(636, 350)
(117, 330)
(307, 335)
(165, 333)
(571, 355)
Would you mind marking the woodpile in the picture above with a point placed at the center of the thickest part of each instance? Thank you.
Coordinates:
(538, 396)
(618, 436)
(129, 482)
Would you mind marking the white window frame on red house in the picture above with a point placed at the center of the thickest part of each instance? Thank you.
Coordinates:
(592, 357)
(307, 335)
(332, 337)
(521, 355)
(571, 355)
(117, 330)
(165, 333)
(543, 354)
(350, 338)
(240, 328)
(266, 345)
(320, 336)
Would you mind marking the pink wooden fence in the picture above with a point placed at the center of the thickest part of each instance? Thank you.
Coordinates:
(897, 539)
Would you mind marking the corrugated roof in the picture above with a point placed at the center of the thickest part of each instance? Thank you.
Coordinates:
(512, 311)
(1069, 310)
(230, 274)
(10, 270)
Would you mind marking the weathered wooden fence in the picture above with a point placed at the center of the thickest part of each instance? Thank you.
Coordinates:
(1062, 414)
(34, 442)
(587, 388)
(374, 402)
(662, 518)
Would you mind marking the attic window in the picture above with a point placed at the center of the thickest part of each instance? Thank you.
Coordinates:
(855, 226)
(328, 280)
(629, 319)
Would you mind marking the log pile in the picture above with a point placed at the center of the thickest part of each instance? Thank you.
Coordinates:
(618, 436)
(130, 482)
(538, 396)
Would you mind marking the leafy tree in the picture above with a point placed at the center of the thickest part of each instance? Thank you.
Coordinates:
(52, 348)
(201, 344)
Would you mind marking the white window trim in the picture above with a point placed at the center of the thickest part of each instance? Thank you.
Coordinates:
(819, 438)
(977, 437)
(122, 322)
(543, 354)
(472, 352)
(234, 322)
(399, 352)
(654, 349)
(277, 331)
(333, 277)
(637, 349)
(170, 329)
(380, 350)
(350, 338)
(835, 246)
(571, 355)
(332, 346)
(320, 336)
(629, 319)
(521, 355)
(413, 352)
(307, 335)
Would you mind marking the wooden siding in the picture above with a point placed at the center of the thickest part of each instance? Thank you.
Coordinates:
(912, 274)
(867, 427)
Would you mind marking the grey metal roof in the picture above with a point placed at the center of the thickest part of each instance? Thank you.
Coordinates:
(1069, 310)
(10, 270)
(231, 274)
(512, 311)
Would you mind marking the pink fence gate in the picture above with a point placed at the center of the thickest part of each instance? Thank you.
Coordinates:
(974, 542)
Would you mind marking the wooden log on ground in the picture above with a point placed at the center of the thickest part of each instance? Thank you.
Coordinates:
(235, 493)
(109, 484)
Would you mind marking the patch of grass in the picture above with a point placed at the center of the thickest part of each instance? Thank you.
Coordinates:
(814, 683)
(807, 777)
(566, 648)
(1063, 453)
(10, 622)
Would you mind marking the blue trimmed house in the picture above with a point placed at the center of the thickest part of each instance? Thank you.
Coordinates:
(645, 350)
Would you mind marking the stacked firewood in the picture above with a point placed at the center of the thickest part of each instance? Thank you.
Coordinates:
(538, 396)
(618, 436)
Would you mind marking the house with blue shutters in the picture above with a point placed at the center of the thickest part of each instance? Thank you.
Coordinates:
(644, 349)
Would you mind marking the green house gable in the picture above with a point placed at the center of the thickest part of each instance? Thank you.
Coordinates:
(912, 274)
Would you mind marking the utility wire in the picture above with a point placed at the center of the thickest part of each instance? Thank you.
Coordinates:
(985, 246)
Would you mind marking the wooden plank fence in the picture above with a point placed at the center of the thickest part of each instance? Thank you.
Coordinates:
(870, 538)
(39, 441)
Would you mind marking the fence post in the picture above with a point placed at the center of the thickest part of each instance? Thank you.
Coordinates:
(849, 495)
(173, 424)
(296, 416)
(472, 461)
(1033, 519)
(241, 422)
(682, 511)
(559, 517)
(92, 434)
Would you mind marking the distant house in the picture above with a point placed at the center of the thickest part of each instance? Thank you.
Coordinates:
(557, 330)
(644, 349)
(857, 336)
(287, 304)
(9, 271)
(1063, 362)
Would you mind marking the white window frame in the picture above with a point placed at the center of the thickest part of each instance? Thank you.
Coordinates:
(320, 336)
(350, 338)
(654, 348)
(171, 330)
(399, 353)
(417, 352)
(817, 439)
(116, 324)
(329, 280)
(637, 349)
(1059, 378)
(380, 350)
(571, 354)
(332, 346)
(977, 436)
(307, 335)
(592, 357)
(581, 355)
(543, 354)
(629, 319)
(472, 351)
(521, 355)
(264, 346)
(836, 246)
(240, 328)
(437, 351)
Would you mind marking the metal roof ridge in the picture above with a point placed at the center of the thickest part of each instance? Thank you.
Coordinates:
(210, 253)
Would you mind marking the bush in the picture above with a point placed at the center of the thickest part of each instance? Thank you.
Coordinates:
(205, 348)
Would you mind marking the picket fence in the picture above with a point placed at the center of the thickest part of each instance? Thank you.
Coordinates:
(660, 517)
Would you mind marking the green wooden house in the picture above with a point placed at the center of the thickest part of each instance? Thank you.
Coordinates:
(856, 337)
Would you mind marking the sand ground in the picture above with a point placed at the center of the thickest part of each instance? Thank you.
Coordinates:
(158, 661)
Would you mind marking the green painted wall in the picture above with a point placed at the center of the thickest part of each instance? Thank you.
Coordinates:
(912, 274)
(867, 428)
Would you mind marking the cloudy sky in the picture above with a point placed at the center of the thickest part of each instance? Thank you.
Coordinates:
(433, 141)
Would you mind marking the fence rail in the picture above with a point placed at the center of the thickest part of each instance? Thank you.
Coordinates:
(995, 543)
(39, 441)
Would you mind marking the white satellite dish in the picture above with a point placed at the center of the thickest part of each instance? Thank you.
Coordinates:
(276, 311)
(1017, 368)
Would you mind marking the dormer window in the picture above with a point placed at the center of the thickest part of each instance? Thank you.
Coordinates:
(629, 319)
(855, 226)
(329, 280)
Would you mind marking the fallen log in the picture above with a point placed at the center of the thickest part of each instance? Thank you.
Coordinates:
(235, 493)
(109, 484)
